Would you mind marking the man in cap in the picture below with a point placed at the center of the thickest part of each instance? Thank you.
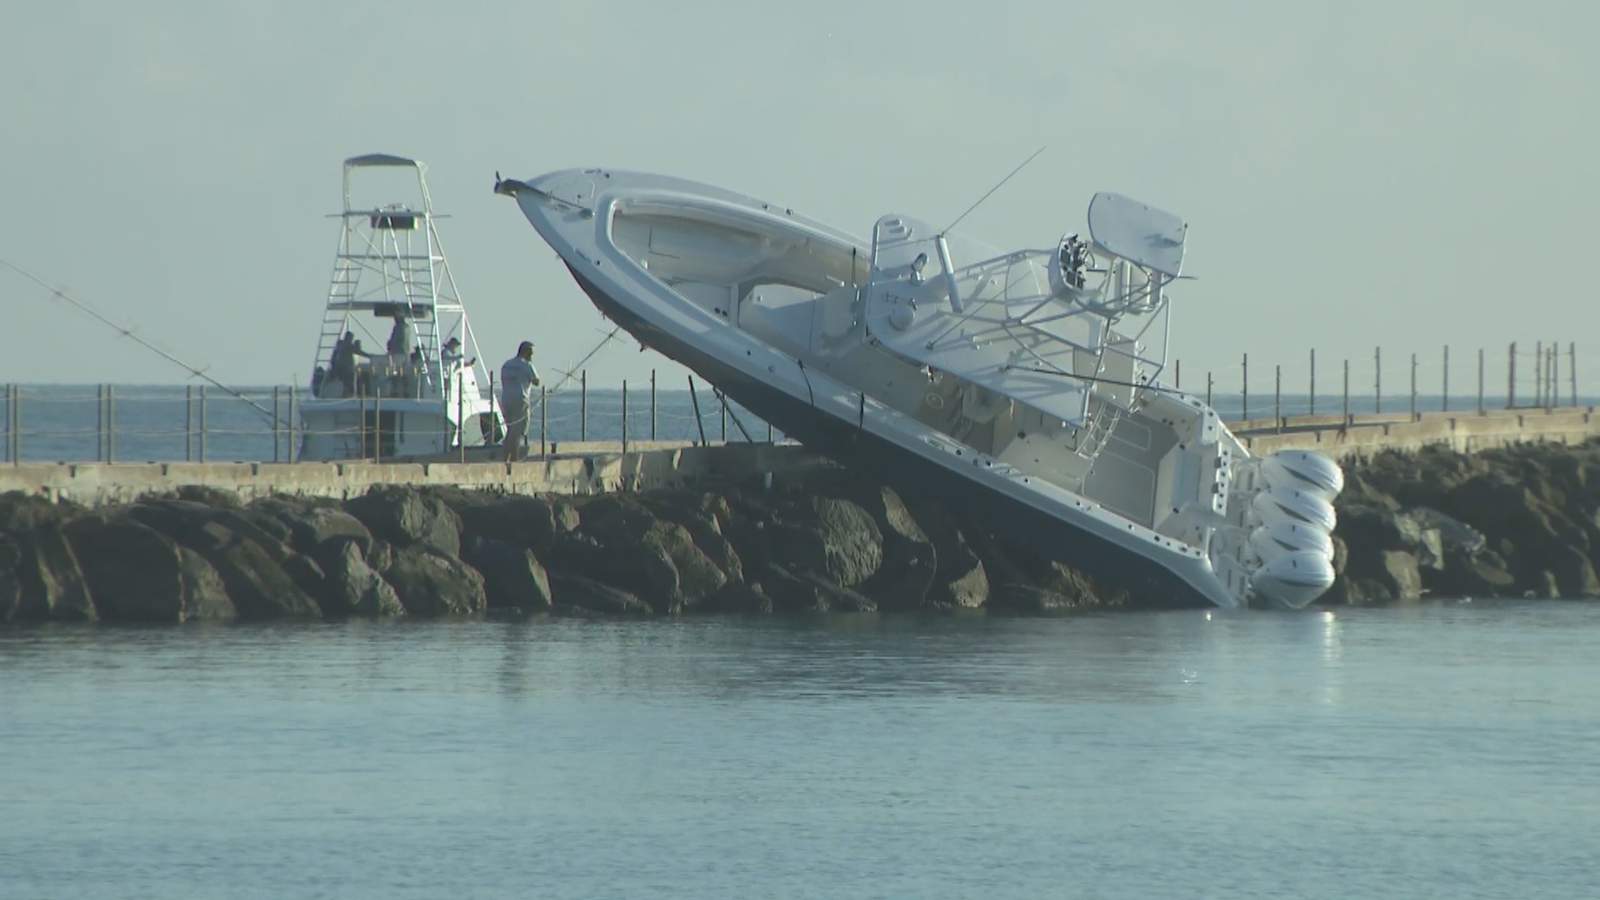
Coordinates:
(518, 378)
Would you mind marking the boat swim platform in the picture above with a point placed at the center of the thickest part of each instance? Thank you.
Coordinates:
(593, 467)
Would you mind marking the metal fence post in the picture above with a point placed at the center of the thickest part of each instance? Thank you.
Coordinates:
(277, 425)
(291, 451)
(13, 421)
(1244, 389)
(200, 439)
(1413, 387)
(1444, 397)
(1277, 397)
(723, 399)
(583, 405)
(544, 423)
(652, 404)
(624, 415)
(1208, 388)
(1538, 373)
(461, 414)
(1552, 397)
(769, 432)
(1347, 391)
(188, 423)
(1480, 381)
(99, 423)
(1572, 369)
(111, 423)
(1312, 396)
(361, 413)
(1377, 379)
(1511, 377)
(377, 425)
(1177, 375)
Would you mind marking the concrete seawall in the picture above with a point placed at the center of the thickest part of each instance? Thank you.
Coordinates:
(599, 467)
(1464, 432)
(99, 484)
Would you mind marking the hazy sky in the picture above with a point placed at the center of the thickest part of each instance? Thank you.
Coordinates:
(1410, 173)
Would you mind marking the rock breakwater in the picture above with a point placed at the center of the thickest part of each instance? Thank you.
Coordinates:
(1512, 522)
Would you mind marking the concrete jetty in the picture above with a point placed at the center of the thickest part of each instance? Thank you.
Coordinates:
(597, 467)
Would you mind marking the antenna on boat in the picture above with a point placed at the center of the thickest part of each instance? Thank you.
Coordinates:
(998, 186)
(128, 332)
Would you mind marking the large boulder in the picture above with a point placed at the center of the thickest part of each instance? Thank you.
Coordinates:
(831, 537)
(910, 560)
(431, 583)
(134, 572)
(960, 580)
(809, 591)
(512, 575)
(354, 588)
(515, 519)
(404, 517)
(205, 595)
(10, 580)
(52, 580)
(630, 547)
(317, 528)
(575, 594)
(1385, 577)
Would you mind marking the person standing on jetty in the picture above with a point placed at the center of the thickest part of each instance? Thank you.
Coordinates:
(518, 378)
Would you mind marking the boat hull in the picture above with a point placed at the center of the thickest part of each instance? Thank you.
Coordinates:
(971, 503)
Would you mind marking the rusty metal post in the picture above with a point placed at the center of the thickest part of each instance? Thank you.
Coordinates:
(1413, 387)
(1244, 385)
(1312, 396)
(1511, 378)
(652, 404)
(1277, 398)
(1347, 392)
(1377, 379)
(624, 415)
(1572, 369)
(583, 405)
(1444, 396)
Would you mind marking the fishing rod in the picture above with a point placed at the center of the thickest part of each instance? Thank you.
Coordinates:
(568, 373)
(129, 333)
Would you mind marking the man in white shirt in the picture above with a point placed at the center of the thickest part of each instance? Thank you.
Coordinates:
(518, 378)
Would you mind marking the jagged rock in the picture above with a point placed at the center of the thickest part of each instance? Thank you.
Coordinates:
(1390, 576)
(646, 555)
(260, 586)
(430, 583)
(318, 529)
(1481, 574)
(206, 596)
(52, 578)
(811, 592)
(134, 573)
(515, 519)
(574, 594)
(834, 538)
(404, 517)
(1574, 573)
(512, 575)
(354, 588)
(910, 560)
(20, 512)
(960, 580)
(205, 496)
(10, 581)
(1028, 599)
(738, 598)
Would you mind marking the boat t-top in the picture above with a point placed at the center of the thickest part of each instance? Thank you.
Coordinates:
(397, 370)
(1024, 385)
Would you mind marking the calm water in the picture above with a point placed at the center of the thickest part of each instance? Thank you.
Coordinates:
(1442, 751)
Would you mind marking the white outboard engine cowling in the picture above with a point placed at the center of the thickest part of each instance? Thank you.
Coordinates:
(1294, 579)
(1304, 470)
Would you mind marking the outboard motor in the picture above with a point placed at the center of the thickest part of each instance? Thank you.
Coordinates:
(1294, 540)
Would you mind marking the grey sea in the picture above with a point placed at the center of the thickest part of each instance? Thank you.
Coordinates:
(1442, 750)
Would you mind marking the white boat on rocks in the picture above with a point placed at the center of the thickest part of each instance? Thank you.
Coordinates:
(1022, 385)
(407, 393)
